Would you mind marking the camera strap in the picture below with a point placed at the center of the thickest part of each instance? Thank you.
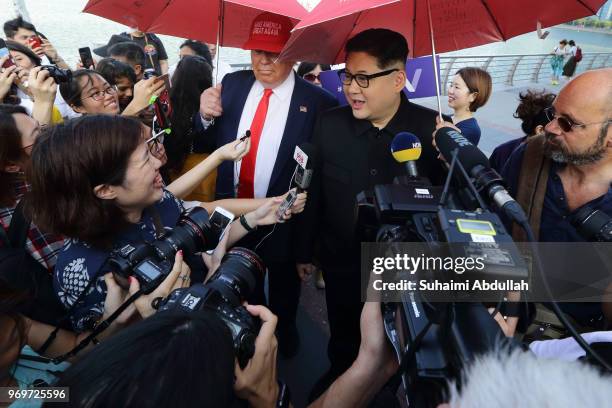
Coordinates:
(157, 221)
(532, 186)
(99, 328)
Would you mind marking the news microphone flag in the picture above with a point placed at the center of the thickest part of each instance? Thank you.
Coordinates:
(405, 147)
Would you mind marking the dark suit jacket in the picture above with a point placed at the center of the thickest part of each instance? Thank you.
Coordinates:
(355, 156)
(307, 103)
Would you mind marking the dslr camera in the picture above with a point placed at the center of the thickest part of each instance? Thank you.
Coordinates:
(59, 75)
(240, 272)
(150, 263)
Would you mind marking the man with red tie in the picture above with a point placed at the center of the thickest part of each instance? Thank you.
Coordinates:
(279, 109)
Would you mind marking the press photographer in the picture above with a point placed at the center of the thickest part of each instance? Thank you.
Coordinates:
(95, 181)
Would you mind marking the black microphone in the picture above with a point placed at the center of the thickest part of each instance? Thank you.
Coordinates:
(593, 225)
(477, 165)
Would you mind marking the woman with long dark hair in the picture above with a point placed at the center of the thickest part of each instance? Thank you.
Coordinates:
(192, 76)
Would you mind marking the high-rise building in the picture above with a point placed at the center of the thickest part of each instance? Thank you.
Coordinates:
(605, 13)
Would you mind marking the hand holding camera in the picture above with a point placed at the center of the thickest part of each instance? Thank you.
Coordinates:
(42, 85)
(256, 382)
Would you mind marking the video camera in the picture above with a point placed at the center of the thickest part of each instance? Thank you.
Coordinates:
(150, 263)
(432, 339)
(240, 272)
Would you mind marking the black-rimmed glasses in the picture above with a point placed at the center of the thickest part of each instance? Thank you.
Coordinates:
(363, 80)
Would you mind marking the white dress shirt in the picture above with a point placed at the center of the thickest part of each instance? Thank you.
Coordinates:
(272, 133)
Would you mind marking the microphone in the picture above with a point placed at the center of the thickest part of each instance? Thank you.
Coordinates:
(406, 148)
(477, 165)
(304, 155)
(593, 225)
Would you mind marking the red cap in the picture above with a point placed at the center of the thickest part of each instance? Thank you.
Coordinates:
(269, 32)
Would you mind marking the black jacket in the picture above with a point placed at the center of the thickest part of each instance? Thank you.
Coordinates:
(354, 156)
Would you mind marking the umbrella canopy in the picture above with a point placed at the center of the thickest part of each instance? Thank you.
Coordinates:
(457, 24)
(195, 19)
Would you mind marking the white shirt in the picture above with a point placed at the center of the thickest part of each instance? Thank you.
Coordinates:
(568, 349)
(272, 133)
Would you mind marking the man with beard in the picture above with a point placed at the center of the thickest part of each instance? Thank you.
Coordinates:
(567, 169)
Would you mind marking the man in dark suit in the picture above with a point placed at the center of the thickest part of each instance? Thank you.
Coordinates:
(280, 110)
(353, 144)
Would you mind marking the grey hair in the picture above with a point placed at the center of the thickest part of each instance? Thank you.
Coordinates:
(520, 379)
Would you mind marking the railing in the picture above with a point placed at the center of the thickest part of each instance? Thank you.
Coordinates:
(507, 70)
(512, 70)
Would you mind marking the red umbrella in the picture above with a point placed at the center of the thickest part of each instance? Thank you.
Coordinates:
(450, 24)
(195, 19)
(457, 24)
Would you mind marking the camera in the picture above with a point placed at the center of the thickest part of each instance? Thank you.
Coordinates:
(434, 336)
(151, 262)
(59, 75)
(240, 272)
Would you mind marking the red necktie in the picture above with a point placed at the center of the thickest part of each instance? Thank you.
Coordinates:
(247, 168)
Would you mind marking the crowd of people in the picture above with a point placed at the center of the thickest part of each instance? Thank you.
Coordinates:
(96, 159)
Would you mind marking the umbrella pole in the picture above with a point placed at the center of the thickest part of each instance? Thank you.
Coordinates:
(219, 33)
(434, 60)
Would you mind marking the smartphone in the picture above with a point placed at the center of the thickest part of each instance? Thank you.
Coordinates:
(4, 51)
(86, 57)
(34, 42)
(165, 78)
(220, 219)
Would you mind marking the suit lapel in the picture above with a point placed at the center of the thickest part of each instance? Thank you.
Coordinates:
(293, 129)
(236, 99)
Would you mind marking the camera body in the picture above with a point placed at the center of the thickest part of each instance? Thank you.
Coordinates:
(150, 263)
(241, 271)
(59, 75)
(434, 339)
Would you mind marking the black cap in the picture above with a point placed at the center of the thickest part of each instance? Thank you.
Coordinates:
(115, 39)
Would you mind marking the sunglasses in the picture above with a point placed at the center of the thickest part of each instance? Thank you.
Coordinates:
(312, 77)
(567, 125)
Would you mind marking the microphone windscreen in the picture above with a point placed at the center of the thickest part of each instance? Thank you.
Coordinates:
(448, 139)
(405, 147)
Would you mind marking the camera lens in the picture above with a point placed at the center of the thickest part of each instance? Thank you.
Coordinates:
(193, 233)
(240, 272)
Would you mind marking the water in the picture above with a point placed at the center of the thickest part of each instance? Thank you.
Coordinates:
(69, 29)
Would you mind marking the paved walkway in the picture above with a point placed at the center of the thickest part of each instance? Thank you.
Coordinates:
(302, 371)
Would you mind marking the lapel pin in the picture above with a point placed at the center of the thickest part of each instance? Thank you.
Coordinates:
(303, 109)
